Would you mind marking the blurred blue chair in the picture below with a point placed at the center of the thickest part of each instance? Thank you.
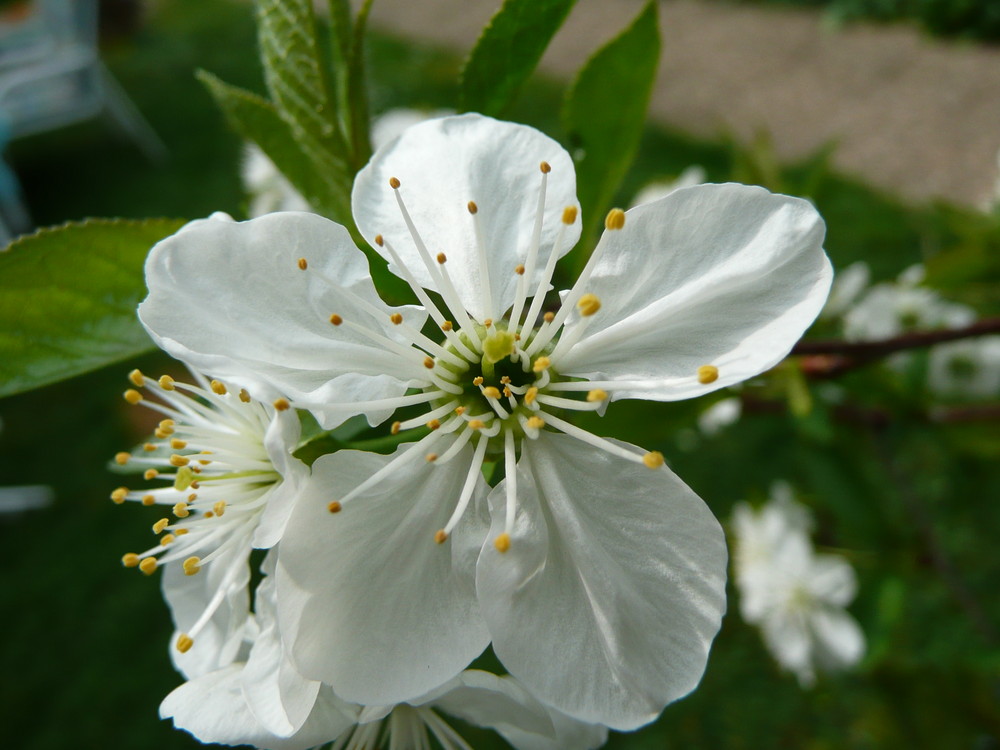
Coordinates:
(51, 74)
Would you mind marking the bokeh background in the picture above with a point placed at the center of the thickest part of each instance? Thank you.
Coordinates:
(912, 501)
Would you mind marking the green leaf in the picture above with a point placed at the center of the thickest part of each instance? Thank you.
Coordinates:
(68, 296)
(605, 110)
(257, 120)
(297, 82)
(507, 51)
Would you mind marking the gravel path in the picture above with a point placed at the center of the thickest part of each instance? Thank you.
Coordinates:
(912, 115)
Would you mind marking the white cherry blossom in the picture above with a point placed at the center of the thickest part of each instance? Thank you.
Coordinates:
(600, 579)
(795, 596)
(230, 485)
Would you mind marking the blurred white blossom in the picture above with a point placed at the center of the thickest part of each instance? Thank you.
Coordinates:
(968, 367)
(795, 596)
(720, 415)
(693, 175)
(268, 190)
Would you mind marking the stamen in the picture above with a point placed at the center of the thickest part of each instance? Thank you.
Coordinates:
(510, 472)
(470, 485)
(303, 265)
(502, 542)
(334, 507)
(336, 319)
(484, 270)
(218, 388)
(589, 304)
(148, 565)
(653, 460)
(119, 495)
(191, 566)
(440, 536)
(568, 219)
(708, 374)
(597, 394)
(396, 319)
(137, 378)
(591, 439)
(130, 560)
(167, 384)
(132, 396)
(569, 403)
(540, 364)
(184, 641)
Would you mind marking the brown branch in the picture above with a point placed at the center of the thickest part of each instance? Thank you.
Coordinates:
(884, 347)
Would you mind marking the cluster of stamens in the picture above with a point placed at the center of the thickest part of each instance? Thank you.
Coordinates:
(492, 381)
(209, 450)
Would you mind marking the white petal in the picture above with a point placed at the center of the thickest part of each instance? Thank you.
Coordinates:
(606, 603)
(840, 641)
(278, 696)
(442, 165)
(280, 440)
(831, 579)
(219, 642)
(723, 275)
(229, 298)
(212, 708)
(367, 601)
(786, 635)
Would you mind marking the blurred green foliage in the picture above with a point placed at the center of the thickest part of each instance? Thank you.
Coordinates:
(911, 502)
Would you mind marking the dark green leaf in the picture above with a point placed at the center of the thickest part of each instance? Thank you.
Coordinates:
(68, 296)
(507, 51)
(605, 110)
(297, 82)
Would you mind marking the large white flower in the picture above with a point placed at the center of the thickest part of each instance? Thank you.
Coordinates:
(601, 579)
(796, 597)
(231, 482)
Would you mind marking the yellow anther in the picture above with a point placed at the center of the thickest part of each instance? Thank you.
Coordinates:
(379, 240)
(536, 422)
(181, 510)
(167, 425)
(393, 183)
(549, 317)
(191, 566)
(477, 381)
(507, 391)
(446, 326)
(653, 460)
(488, 322)
(473, 208)
(167, 539)
(530, 394)
(442, 258)
(130, 560)
(396, 319)
(148, 500)
(182, 532)
(598, 394)
(176, 460)
(395, 428)
(219, 507)
(280, 404)
(119, 495)
(708, 374)
(194, 485)
(218, 387)
(502, 542)
(441, 536)
(433, 424)
(167, 384)
(150, 474)
(505, 380)
(545, 167)
(184, 643)
(148, 447)
(334, 507)
(160, 433)
(192, 497)
(160, 525)
(431, 457)
(519, 269)
(429, 363)
(491, 392)
(122, 458)
(178, 444)
(476, 424)
(517, 337)
(336, 319)
(132, 396)
(588, 305)
(209, 514)
(542, 363)
(569, 215)
(303, 264)
(137, 378)
(196, 469)
(148, 565)
(460, 410)
(615, 219)
(244, 396)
